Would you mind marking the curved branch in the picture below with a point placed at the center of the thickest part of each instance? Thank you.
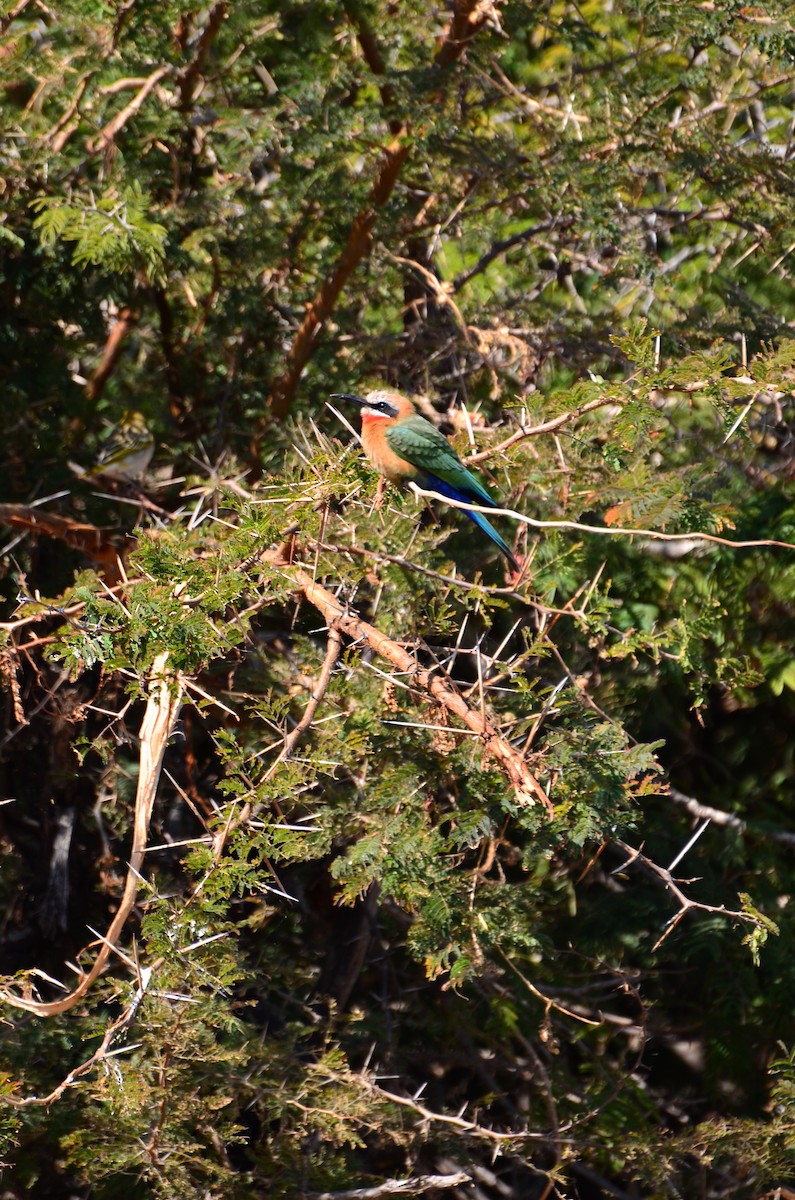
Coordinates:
(160, 716)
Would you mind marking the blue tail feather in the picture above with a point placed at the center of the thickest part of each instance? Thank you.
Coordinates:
(434, 484)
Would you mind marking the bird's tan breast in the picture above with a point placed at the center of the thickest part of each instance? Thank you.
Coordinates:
(381, 455)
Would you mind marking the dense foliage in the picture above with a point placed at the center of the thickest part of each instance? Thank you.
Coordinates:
(337, 856)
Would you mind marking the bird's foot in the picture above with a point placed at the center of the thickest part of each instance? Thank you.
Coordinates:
(380, 492)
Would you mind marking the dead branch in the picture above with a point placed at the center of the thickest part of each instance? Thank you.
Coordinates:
(160, 716)
(102, 545)
(111, 353)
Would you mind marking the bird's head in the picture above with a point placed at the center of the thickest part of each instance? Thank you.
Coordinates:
(379, 405)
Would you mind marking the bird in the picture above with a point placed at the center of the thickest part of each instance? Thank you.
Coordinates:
(126, 451)
(406, 448)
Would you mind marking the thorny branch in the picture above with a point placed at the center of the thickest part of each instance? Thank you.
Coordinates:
(102, 1053)
(333, 647)
(435, 682)
(526, 431)
(666, 880)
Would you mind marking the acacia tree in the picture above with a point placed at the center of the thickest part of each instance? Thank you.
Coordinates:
(336, 856)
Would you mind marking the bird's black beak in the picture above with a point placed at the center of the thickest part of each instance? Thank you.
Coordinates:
(348, 396)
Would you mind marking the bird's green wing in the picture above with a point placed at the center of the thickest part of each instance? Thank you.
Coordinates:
(421, 444)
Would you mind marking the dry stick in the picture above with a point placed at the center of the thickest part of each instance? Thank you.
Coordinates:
(468, 17)
(435, 682)
(605, 530)
(162, 709)
(396, 1187)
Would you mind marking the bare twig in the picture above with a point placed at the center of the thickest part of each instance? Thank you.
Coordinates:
(162, 709)
(604, 530)
(667, 881)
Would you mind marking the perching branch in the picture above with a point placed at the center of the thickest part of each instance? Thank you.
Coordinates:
(160, 716)
(604, 530)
